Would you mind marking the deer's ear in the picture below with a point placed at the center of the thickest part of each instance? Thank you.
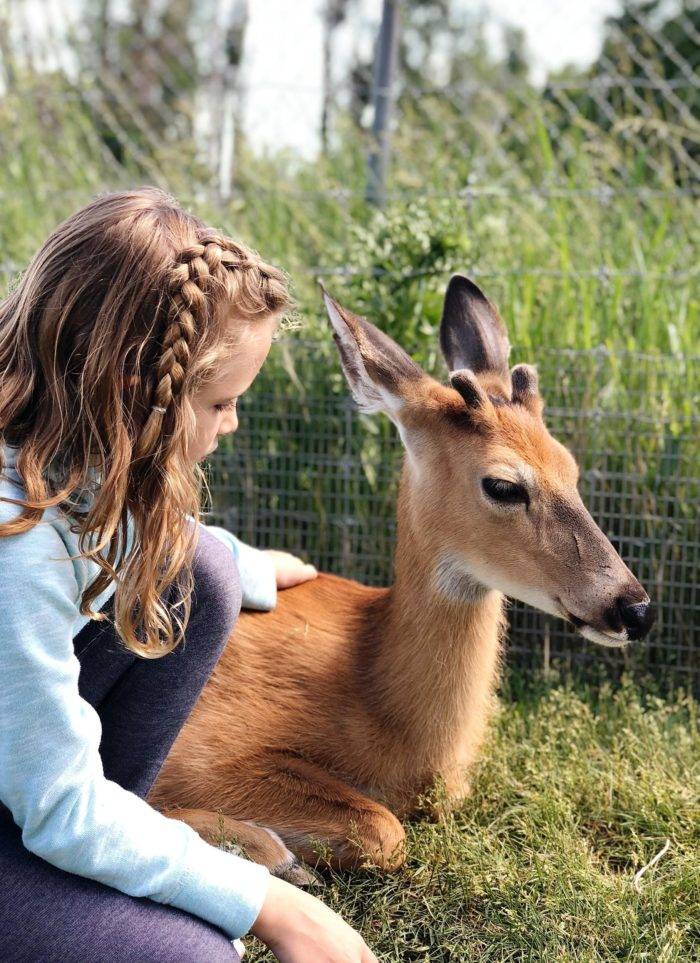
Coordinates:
(379, 372)
(472, 334)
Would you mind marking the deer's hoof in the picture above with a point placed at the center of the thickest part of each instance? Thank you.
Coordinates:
(299, 874)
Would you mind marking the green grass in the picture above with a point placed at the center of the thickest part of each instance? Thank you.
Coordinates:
(575, 247)
(579, 787)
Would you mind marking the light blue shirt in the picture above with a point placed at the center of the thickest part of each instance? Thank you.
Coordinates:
(51, 774)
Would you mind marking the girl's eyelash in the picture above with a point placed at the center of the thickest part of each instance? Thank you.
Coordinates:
(227, 406)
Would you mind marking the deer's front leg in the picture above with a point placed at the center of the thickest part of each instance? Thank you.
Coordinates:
(321, 818)
(257, 843)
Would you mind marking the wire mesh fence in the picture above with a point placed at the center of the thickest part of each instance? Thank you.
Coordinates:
(549, 150)
(312, 475)
(174, 90)
(581, 169)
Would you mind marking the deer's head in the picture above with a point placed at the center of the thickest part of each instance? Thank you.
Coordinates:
(493, 495)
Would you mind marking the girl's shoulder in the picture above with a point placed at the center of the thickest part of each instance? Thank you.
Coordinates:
(12, 489)
(44, 550)
(48, 555)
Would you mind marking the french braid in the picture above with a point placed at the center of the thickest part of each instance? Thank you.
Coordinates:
(198, 272)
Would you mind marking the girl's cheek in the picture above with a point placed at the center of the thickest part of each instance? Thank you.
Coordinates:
(206, 428)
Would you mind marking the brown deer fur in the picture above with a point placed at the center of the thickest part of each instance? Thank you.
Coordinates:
(327, 719)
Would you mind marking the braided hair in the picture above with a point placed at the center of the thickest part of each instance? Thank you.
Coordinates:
(122, 313)
(200, 270)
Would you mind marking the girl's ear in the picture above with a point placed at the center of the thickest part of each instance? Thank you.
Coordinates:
(381, 376)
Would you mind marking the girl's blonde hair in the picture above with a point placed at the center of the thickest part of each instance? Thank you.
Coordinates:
(127, 305)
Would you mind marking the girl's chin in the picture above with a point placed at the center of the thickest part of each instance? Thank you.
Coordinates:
(201, 456)
(206, 455)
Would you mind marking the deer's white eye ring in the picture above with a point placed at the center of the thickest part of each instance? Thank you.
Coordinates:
(505, 492)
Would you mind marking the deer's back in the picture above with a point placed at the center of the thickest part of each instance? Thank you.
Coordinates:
(292, 679)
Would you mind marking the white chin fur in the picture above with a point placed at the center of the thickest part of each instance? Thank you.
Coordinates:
(601, 638)
(462, 581)
(454, 572)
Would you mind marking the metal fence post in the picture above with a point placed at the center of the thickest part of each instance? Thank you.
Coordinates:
(385, 59)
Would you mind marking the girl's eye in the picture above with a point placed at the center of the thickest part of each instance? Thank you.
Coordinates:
(228, 406)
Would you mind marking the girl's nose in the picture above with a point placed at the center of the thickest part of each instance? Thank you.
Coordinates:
(229, 424)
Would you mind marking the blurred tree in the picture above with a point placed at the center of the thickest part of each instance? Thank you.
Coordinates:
(144, 69)
(469, 99)
(515, 61)
(226, 91)
(7, 67)
(643, 85)
(333, 14)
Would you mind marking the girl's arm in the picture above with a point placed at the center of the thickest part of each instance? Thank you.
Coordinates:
(51, 774)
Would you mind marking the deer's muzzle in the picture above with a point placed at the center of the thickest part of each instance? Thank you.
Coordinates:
(632, 617)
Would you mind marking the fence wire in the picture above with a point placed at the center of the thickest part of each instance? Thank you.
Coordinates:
(153, 78)
(310, 474)
(571, 190)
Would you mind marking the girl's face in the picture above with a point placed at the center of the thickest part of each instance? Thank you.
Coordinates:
(215, 403)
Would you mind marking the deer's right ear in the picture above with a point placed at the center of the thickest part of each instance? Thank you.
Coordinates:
(379, 372)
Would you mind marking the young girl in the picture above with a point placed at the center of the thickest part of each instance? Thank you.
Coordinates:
(123, 350)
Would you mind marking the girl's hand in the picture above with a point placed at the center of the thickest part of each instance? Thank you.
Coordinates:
(299, 928)
(290, 570)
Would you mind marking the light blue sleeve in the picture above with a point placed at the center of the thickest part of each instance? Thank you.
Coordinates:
(51, 774)
(257, 571)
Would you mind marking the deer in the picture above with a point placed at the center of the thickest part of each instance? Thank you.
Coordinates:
(329, 720)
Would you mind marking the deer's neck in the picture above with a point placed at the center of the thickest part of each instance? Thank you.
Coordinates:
(435, 667)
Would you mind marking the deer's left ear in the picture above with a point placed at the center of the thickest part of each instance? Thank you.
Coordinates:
(472, 335)
(380, 373)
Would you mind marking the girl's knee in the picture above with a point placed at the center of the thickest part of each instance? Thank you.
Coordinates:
(185, 939)
(217, 583)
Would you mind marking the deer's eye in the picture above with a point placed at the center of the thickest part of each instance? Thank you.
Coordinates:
(505, 492)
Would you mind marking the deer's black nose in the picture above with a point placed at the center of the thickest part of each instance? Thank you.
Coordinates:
(636, 617)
